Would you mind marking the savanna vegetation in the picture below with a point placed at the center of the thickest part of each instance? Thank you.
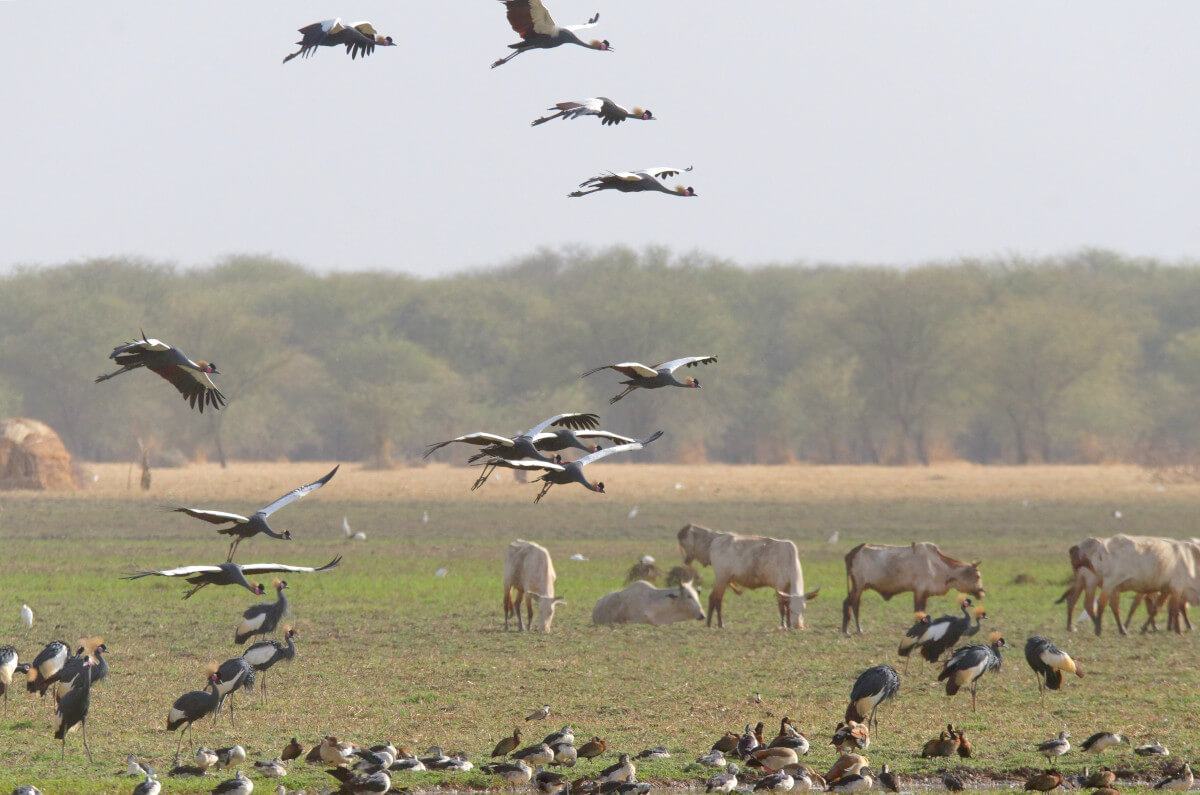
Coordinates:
(1082, 358)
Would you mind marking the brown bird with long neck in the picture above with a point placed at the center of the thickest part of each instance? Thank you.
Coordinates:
(538, 31)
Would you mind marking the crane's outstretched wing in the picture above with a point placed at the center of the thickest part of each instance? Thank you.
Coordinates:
(521, 463)
(610, 112)
(590, 23)
(575, 421)
(139, 346)
(258, 568)
(528, 17)
(690, 361)
(195, 386)
(661, 172)
(615, 437)
(359, 39)
(215, 517)
(630, 369)
(182, 571)
(481, 438)
(620, 448)
(296, 494)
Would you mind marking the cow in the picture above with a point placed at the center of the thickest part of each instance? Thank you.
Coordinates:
(1085, 582)
(529, 570)
(1145, 564)
(642, 603)
(740, 561)
(921, 568)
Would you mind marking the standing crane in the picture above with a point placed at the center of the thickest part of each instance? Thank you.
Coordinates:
(73, 711)
(243, 527)
(872, 688)
(558, 473)
(943, 633)
(360, 38)
(9, 665)
(609, 112)
(646, 180)
(190, 379)
(523, 445)
(262, 619)
(913, 635)
(538, 31)
(642, 377)
(67, 677)
(232, 675)
(262, 655)
(191, 707)
(227, 574)
(969, 663)
(45, 665)
(1048, 663)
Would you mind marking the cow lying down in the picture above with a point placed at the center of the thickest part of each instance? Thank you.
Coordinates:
(642, 603)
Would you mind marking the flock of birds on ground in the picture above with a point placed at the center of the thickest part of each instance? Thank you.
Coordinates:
(744, 761)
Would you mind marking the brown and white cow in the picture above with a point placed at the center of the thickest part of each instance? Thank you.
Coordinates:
(529, 570)
(642, 603)
(740, 561)
(921, 568)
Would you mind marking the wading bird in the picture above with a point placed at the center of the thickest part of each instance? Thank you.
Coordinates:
(969, 663)
(73, 711)
(872, 688)
(1048, 663)
(232, 675)
(265, 653)
(913, 636)
(45, 665)
(227, 574)
(243, 527)
(522, 446)
(572, 472)
(360, 38)
(9, 665)
(604, 108)
(262, 619)
(190, 378)
(532, 22)
(642, 377)
(944, 632)
(650, 179)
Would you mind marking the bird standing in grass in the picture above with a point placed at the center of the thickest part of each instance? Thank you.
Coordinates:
(73, 711)
(946, 631)
(1181, 780)
(191, 379)
(872, 688)
(27, 616)
(1056, 747)
(264, 654)
(1100, 741)
(9, 665)
(191, 707)
(262, 619)
(539, 714)
(913, 635)
(507, 745)
(243, 527)
(969, 663)
(149, 786)
(47, 662)
(1048, 663)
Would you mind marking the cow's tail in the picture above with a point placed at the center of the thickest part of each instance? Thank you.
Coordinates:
(850, 562)
(1063, 598)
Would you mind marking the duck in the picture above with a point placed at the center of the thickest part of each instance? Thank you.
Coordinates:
(564, 754)
(888, 779)
(540, 754)
(773, 759)
(1044, 781)
(1099, 779)
(1102, 740)
(862, 781)
(1056, 747)
(507, 745)
(563, 735)
(727, 743)
(965, 749)
(781, 782)
(788, 737)
(273, 768)
(945, 745)
(592, 748)
(657, 752)
(230, 756)
(291, 751)
(517, 774)
(623, 770)
(405, 761)
(713, 758)
(1181, 780)
(1153, 749)
(852, 736)
(550, 783)
(847, 764)
(724, 781)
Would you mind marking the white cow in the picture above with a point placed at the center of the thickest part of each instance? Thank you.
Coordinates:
(749, 562)
(642, 603)
(1145, 564)
(528, 569)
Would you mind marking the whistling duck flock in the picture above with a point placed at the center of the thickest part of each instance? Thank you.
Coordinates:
(776, 765)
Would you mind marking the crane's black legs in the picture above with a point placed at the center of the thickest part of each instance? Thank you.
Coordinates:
(233, 548)
(628, 389)
(83, 731)
(542, 493)
(507, 58)
(483, 476)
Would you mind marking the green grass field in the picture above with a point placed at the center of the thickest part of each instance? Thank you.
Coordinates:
(388, 651)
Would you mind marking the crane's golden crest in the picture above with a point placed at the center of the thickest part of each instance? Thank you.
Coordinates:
(993, 637)
(980, 612)
(920, 615)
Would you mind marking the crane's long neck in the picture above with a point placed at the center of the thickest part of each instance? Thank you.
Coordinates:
(290, 652)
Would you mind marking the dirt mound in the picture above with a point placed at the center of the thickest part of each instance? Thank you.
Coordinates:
(33, 457)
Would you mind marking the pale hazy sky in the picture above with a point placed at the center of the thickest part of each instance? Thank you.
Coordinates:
(839, 131)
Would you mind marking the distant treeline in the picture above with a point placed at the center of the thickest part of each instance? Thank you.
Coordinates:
(1080, 358)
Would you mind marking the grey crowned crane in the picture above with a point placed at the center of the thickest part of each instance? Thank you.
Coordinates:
(522, 445)
(646, 180)
(190, 378)
(262, 619)
(232, 675)
(9, 665)
(45, 665)
(262, 655)
(68, 677)
(227, 574)
(360, 38)
(242, 527)
(872, 688)
(642, 377)
(969, 663)
(609, 112)
(909, 641)
(532, 22)
(73, 711)
(1048, 663)
(191, 707)
(238, 785)
(943, 633)
(563, 473)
